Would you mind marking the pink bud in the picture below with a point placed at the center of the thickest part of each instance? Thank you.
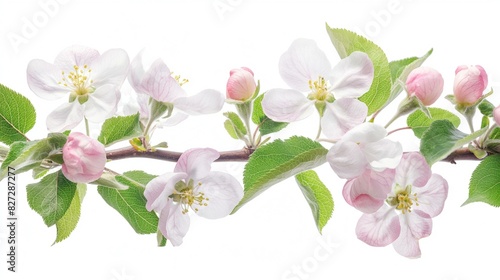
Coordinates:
(496, 115)
(426, 84)
(470, 82)
(241, 84)
(84, 158)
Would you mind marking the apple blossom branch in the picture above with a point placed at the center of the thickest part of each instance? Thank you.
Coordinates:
(239, 155)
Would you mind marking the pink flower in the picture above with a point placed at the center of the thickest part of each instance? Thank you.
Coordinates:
(84, 158)
(192, 185)
(240, 85)
(496, 115)
(426, 84)
(470, 82)
(402, 213)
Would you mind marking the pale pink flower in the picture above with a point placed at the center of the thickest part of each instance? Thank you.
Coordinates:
(192, 185)
(426, 84)
(470, 82)
(84, 158)
(240, 85)
(496, 115)
(398, 205)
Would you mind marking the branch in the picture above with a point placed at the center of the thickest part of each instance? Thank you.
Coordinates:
(130, 152)
(460, 154)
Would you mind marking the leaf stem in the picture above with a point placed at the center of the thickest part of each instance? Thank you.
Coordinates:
(87, 127)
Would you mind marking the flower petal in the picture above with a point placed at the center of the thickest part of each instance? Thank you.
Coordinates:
(102, 103)
(347, 160)
(413, 170)
(160, 188)
(352, 76)
(406, 244)
(286, 105)
(75, 56)
(413, 227)
(136, 73)
(383, 154)
(43, 79)
(303, 62)
(341, 116)
(196, 162)
(365, 133)
(158, 83)
(65, 117)
(380, 228)
(432, 196)
(223, 192)
(110, 68)
(173, 223)
(368, 192)
(205, 102)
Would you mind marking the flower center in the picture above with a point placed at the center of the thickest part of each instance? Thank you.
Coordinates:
(78, 81)
(404, 199)
(319, 90)
(185, 195)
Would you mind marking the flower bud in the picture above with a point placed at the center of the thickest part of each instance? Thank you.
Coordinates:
(84, 158)
(470, 82)
(241, 84)
(426, 84)
(496, 115)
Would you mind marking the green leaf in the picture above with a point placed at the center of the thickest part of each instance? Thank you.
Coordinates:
(120, 128)
(51, 197)
(484, 184)
(486, 108)
(231, 130)
(442, 138)
(347, 42)
(236, 121)
(68, 222)
(317, 195)
(420, 122)
(400, 70)
(277, 161)
(131, 203)
(266, 125)
(17, 116)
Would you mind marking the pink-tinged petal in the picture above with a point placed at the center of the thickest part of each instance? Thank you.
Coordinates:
(347, 160)
(110, 68)
(419, 223)
(303, 62)
(75, 55)
(173, 224)
(65, 117)
(223, 192)
(159, 84)
(406, 244)
(365, 133)
(205, 102)
(341, 116)
(380, 228)
(43, 79)
(136, 73)
(286, 105)
(352, 76)
(432, 196)
(196, 162)
(383, 154)
(160, 188)
(84, 158)
(413, 170)
(102, 103)
(174, 120)
(368, 192)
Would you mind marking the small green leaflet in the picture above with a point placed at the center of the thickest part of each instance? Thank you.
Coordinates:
(484, 184)
(68, 222)
(17, 116)
(234, 125)
(486, 108)
(120, 128)
(266, 125)
(277, 161)
(419, 122)
(317, 195)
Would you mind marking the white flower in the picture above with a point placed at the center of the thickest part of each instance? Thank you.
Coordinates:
(210, 194)
(306, 69)
(88, 79)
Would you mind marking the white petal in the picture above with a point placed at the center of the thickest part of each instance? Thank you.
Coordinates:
(75, 56)
(380, 228)
(102, 103)
(383, 154)
(303, 62)
(206, 102)
(160, 188)
(136, 73)
(286, 105)
(406, 244)
(347, 160)
(352, 76)
(173, 223)
(110, 68)
(65, 117)
(223, 192)
(365, 132)
(341, 116)
(432, 196)
(159, 84)
(413, 228)
(413, 170)
(196, 162)
(174, 120)
(43, 79)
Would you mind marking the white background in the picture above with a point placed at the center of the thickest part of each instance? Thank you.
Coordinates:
(274, 235)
